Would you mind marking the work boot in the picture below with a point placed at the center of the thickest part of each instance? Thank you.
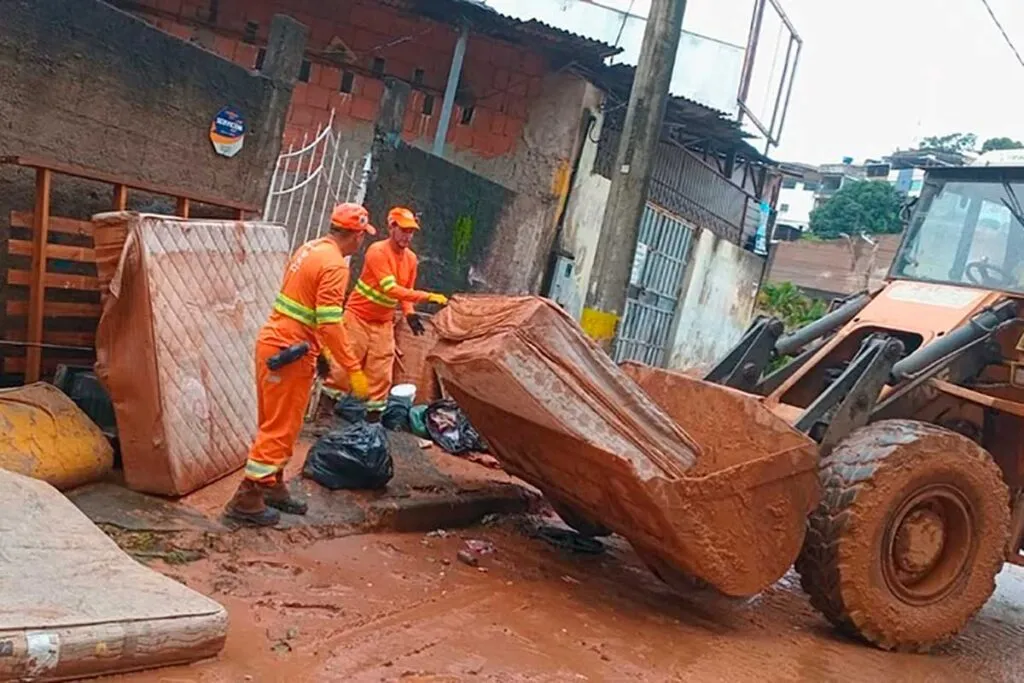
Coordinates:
(248, 506)
(278, 496)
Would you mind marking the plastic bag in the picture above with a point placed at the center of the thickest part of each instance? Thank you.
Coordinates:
(418, 421)
(396, 415)
(355, 457)
(449, 428)
(350, 409)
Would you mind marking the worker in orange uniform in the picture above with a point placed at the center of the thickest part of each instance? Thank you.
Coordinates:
(307, 311)
(387, 282)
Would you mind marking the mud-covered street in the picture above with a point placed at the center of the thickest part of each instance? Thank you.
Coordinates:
(404, 607)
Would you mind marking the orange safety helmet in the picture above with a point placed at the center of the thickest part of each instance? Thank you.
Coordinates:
(403, 218)
(349, 216)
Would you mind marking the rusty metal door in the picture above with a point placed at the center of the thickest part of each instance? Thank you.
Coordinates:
(654, 288)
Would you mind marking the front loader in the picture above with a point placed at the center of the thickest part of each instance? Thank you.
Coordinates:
(879, 448)
(915, 396)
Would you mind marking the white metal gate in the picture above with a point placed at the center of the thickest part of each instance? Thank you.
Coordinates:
(654, 288)
(308, 182)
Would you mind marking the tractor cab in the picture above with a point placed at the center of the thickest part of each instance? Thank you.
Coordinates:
(967, 230)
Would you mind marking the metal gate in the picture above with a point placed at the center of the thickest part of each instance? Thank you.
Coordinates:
(308, 182)
(654, 288)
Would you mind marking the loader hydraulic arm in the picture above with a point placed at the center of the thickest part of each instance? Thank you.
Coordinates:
(743, 367)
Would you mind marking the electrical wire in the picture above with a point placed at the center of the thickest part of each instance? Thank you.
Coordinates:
(1002, 30)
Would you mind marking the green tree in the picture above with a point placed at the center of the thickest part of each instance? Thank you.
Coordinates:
(866, 206)
(785, 301)
(1001, 143)
(953, 142)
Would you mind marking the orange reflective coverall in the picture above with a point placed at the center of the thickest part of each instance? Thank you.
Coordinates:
(308, 308)
(387, 281)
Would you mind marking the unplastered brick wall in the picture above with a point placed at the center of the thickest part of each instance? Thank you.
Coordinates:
(500, 81)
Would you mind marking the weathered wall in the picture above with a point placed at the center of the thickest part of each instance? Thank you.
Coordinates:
(501, 79)
(539, 172)
(86, 84)
(583, 217)
(837, 267)
(525, 117)
(718, 301)
(459, 213)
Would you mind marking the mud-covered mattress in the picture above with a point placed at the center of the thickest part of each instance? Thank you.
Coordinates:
(714, 487)
(74, 605)
(175, 344)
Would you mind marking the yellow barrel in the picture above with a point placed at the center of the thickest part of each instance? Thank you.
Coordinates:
(44, 435)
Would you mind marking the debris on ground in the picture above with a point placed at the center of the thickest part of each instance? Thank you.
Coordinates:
(355, 457)
(479, 547)
(468, 558)
(566, 539)
(450, 429)
(473, 551)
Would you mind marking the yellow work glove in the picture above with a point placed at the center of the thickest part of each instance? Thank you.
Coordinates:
(359, 385)
(439, 299)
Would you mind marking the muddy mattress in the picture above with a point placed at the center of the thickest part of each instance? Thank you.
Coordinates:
(175, 344)
(713, 487)
(74, 605)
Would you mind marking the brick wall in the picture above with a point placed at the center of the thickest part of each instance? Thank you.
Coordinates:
(501, 80)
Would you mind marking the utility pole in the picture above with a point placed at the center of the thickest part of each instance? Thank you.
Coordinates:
(613, 262)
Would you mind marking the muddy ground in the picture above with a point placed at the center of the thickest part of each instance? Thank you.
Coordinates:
(404, 607)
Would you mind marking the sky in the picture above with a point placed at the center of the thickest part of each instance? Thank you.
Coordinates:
(880, 74)
(874, 75)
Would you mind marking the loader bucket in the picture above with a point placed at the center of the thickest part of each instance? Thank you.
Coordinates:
(701, 479)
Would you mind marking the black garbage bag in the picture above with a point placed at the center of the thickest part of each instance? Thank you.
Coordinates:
(450, 429)
(396, 415)
(350, 409)
(355, 457)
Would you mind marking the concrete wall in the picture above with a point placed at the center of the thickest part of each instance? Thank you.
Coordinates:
(459, 211)
(86, 84)
(584, 214)
(718, 301)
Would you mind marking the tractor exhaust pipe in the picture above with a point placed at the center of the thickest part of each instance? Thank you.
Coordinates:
(826, 324)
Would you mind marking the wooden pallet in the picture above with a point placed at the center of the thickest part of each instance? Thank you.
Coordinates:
(71, 303)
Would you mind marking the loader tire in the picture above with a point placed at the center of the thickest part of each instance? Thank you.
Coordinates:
(579, 523)
(911, 530)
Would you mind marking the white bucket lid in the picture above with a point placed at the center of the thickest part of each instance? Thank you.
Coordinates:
(404, 391)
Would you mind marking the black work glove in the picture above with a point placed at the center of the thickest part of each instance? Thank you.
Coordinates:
(323, 366)
(415, 324)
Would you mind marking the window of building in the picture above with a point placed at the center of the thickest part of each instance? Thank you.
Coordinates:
(831, 183)
(417, 77)
(789, 183)
(348, 81)
(304, 71)
(467, 116)
(783, 208)
(261, 55)
(377, 68)
(428, 105)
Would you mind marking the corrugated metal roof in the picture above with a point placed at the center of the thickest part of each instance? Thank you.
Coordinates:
(487, 20)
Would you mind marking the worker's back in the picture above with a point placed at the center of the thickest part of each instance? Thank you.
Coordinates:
(295, 315)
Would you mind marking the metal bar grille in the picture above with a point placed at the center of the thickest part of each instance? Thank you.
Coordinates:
(307, 182)
(658, 270)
